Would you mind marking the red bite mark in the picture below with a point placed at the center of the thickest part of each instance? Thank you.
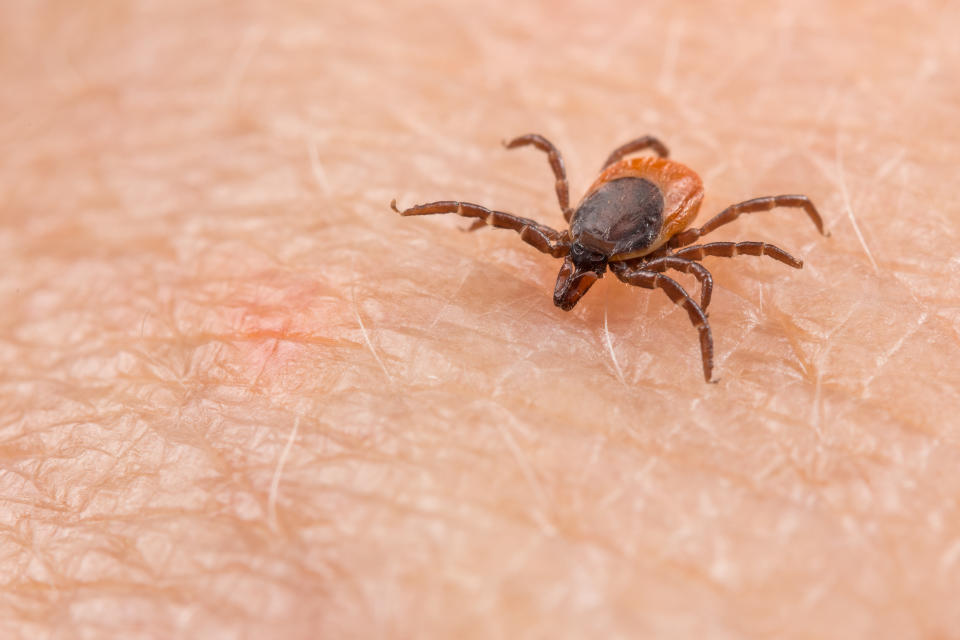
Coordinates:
(275, 321)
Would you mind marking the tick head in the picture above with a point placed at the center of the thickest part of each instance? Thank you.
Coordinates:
(581, 268)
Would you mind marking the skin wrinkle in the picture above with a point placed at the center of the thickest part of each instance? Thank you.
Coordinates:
(181, 281)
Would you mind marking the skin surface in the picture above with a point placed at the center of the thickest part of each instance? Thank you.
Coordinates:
(242, 398)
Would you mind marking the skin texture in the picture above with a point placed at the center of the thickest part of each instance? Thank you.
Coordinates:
(242, 398)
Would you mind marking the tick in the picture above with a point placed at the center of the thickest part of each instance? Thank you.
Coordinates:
(634, 221)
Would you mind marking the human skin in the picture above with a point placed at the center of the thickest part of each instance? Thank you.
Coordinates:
(242, 398)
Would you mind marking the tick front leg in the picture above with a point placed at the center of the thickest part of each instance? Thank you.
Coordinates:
(676, 293)
(733, 212)
(556, 163)
(646, 142)
(684, 265)
(532, 232)
(731, 249)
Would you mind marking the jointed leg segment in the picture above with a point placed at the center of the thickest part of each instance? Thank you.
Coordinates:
(684, 265)
(556, 163)
(676, 293)
(636, 145)
(733, 212)
(532, 232)
(731, 249)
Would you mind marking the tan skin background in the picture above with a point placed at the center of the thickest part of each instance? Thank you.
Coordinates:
(240, 397)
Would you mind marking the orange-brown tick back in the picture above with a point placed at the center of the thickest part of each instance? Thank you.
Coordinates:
(633, 219)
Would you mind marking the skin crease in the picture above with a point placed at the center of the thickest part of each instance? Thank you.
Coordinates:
(240, 397)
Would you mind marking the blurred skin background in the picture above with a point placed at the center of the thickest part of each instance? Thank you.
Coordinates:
(240, 397)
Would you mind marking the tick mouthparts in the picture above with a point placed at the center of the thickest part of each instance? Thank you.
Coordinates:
(572, 283)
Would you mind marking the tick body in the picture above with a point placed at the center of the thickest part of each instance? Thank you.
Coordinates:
(635, 221)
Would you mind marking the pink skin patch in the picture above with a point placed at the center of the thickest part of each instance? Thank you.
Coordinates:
(275, 321)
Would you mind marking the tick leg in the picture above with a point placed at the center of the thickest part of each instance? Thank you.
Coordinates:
(650, 280)
(733, 212)
(636, 145)
(686, 265)
(532, 232)
(556, 163)
(731, 249)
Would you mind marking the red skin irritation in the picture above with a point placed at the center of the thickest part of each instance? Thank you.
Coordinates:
(275, 322)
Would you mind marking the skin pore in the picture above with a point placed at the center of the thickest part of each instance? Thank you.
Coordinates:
(241, 397)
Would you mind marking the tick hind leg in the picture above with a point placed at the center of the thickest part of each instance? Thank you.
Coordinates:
(733, 212)
(676, 293)
(646, 142)
(556, 163)
(532, 232)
